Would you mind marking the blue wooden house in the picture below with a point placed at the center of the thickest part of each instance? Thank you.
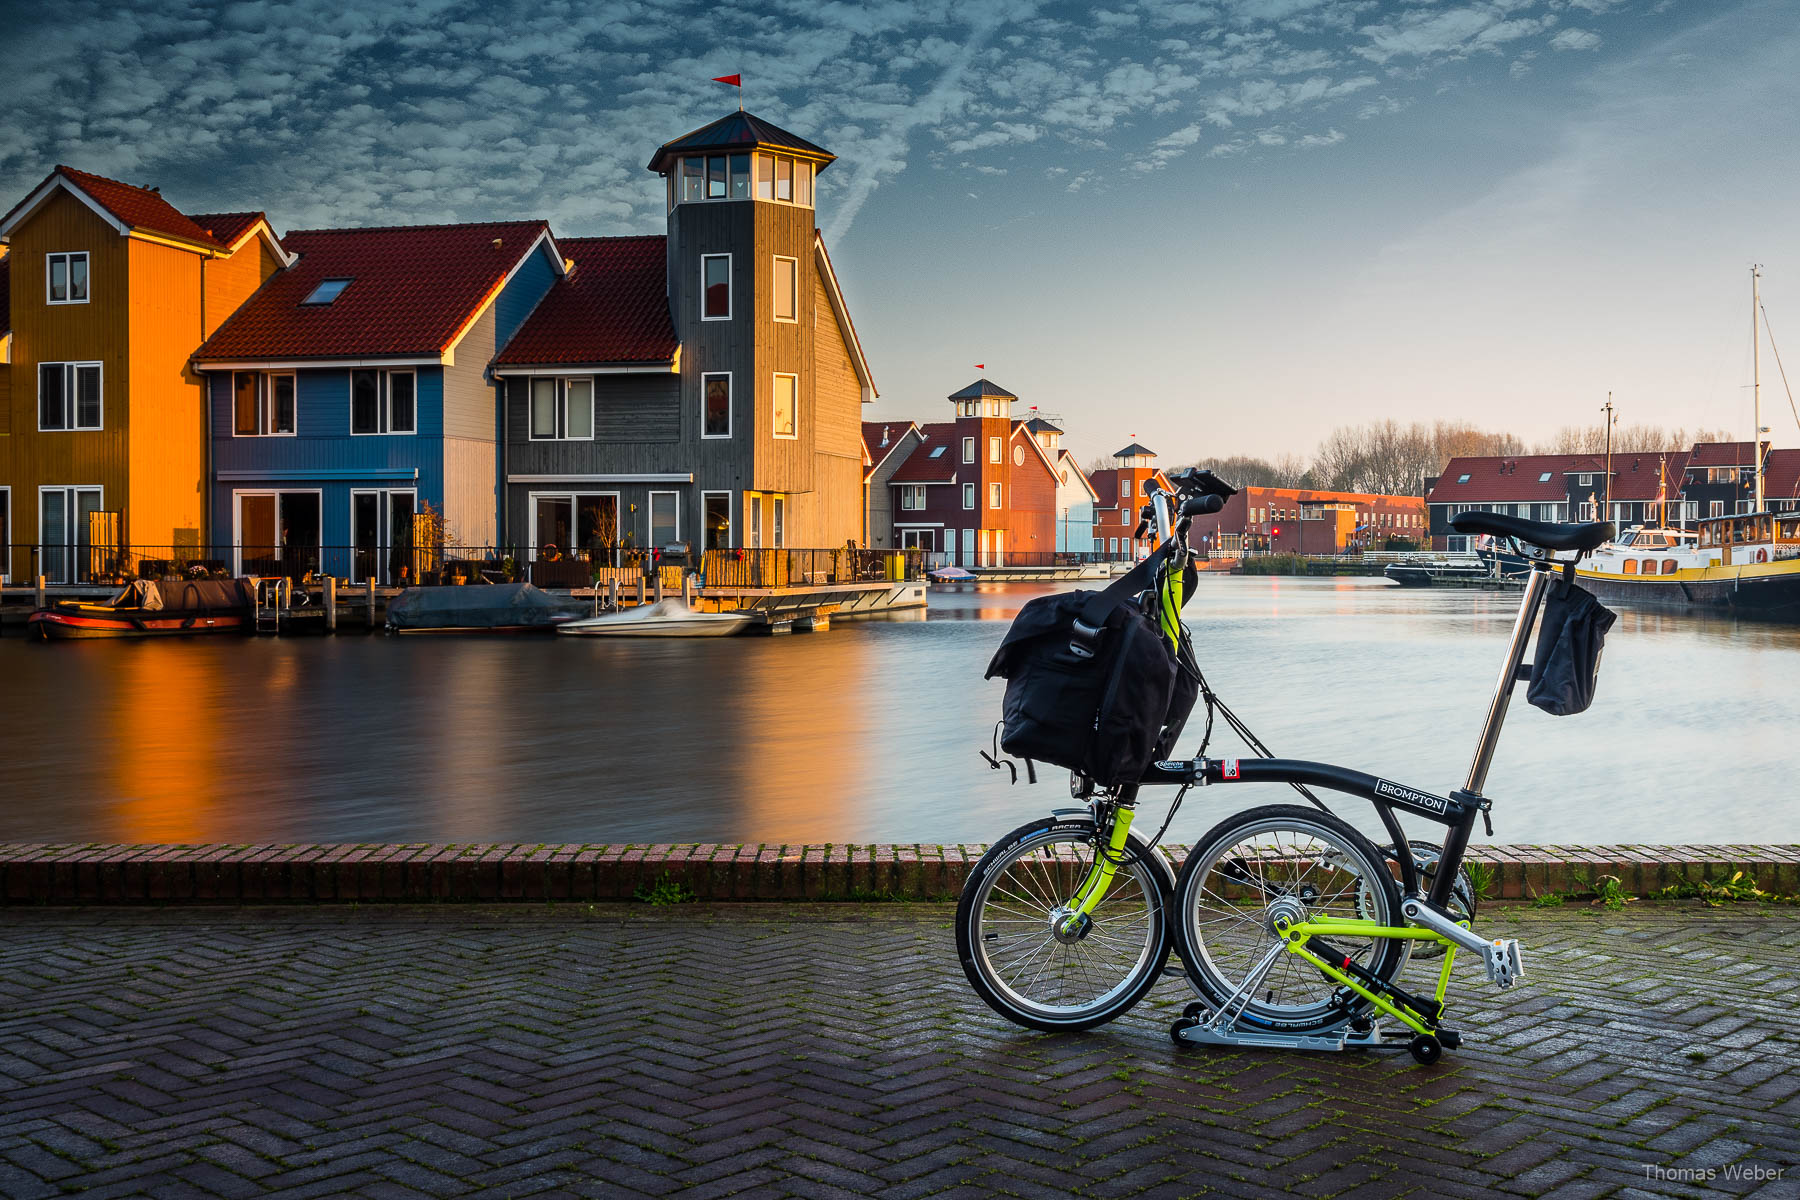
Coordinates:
(351, 410)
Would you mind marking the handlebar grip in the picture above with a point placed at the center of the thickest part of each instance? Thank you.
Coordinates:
(1143, 528)
(1200, 506)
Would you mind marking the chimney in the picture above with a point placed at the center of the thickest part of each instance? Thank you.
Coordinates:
(496, 243)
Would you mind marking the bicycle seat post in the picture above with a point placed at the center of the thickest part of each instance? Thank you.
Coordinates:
(1535, 584)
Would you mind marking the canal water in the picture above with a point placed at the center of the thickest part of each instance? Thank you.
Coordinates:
(867, 733)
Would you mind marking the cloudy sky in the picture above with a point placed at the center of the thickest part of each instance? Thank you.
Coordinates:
(1216, 226)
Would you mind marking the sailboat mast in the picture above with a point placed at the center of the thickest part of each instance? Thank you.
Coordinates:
(1756, 430)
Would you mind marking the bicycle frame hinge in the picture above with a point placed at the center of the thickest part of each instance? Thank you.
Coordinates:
(1479, 801)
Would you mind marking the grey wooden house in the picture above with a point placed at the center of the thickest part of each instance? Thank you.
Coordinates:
(698, 390)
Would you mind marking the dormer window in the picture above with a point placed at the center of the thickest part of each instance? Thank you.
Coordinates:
(66, 278)
(327, 291)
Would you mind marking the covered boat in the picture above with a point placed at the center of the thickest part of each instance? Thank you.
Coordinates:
(148, 608)
(1748, 565)
(665, 618)
(480, 608)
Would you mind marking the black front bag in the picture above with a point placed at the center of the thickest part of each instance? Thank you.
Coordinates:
(1567, 664)
(1091, 685)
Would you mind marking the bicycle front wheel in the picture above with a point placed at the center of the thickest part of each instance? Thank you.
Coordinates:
(1282, 863)
(1018, 948)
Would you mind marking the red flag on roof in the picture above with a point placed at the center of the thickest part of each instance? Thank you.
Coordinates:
(981, 366)
(736, 81)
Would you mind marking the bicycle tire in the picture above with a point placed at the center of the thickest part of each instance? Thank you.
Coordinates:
(1137, 941)
(1218, 937)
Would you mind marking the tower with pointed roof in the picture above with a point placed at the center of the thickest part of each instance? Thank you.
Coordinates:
(772, 379)
(1121, 497)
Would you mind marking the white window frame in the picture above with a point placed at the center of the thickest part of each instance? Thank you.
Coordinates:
(754, 507)
(996, 452)
(68, 257)
(774, 287)
(384, 528)
(730, 519)
(968, 496)
(265, 404)
(70, 404)
(560, 412)
(778, 522)
(996, 496)
(774, 395)
(650, 515)
(574, 499)
(730, 300)
(968, 449)
(730, 403)
(73, 544)
(237, 521)
(1124, 489)
(384, 403)
(915, 493)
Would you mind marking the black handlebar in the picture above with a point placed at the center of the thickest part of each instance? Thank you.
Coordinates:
(1200, 506)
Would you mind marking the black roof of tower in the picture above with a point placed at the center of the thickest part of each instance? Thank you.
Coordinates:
(1133, 451)
(981, 389)
(740, 131)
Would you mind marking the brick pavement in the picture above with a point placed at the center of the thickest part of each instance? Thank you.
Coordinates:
(774, 1050)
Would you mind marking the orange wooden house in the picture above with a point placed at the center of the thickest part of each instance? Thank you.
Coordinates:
(103, 432)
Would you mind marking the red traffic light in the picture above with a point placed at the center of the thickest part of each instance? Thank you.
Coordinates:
(1276, 532)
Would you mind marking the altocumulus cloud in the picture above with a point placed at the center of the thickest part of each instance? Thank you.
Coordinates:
(440, 110)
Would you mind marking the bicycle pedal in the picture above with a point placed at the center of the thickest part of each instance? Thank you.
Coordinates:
(1505, 962)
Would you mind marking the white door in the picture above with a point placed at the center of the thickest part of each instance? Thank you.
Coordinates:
(968, 547)
(999, 547)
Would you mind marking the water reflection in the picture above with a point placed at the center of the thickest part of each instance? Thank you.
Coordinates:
(869, 732)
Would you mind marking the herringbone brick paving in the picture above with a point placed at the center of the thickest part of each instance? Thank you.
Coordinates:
(837, 1051)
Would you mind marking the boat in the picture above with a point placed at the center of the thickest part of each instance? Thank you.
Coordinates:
(665, 618)
(480, 608)
(148, 608)
(950, 575)
(1747, 564)
(1422, 571)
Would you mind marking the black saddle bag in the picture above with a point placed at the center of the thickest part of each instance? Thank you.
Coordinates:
(1570, 637)
(1091, 684)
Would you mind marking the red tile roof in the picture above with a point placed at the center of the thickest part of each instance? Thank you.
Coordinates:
(134, 207)
(880, 438)
(1513, 479)
(612, 308)
(227, 228)
(1635, 475)
(1781, 473)
(921, 467)
(1721, 454)
(412, 291)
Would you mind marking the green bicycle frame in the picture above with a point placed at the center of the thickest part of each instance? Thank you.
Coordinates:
(1170, 596)
(1297, 935)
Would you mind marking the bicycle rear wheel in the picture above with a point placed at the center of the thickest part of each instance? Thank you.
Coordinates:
(1297, 863)
(1030, 969)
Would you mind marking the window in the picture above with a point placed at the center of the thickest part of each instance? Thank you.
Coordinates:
(66, 278)
(938, 451)
(262, 405)
(715, 287)
(787, 407)
(693, 186)
(1124, 488)
(968, 495)
(1584, 480)
(665, 518)
(1544, 478)
(383, 402)
(1463, 478)
(785, 179)
(715, 520)
(912, 496)
(326, 292)
(1124, 516)
(715, 177)
(63, 531)
(1018, 456)
(381, 529)
(277, 533)
(968, 449)
(787, 289)
(1716, 509)
(562, 410)
(777, 523)
(993, 449)
(69, 396)
(715, 405)
(993, 495)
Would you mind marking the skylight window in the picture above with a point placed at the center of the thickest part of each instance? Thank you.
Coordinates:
(1462, 479)
(1544, 478)
(938, 451)
(327, 291)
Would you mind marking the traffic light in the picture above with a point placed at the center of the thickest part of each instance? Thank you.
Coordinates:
(1276, 532)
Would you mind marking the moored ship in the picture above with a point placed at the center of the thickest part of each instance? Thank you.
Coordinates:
(1748, 565)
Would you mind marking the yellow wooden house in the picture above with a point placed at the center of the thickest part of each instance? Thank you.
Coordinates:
(103, 423)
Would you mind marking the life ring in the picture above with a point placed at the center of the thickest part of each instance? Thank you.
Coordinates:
(1762, 556)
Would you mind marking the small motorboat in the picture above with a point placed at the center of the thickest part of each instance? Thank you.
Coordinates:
(147, 608)
(950, 575)
(480, 608)
(665, 618)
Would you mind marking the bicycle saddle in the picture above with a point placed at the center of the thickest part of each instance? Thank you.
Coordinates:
(1551, 535)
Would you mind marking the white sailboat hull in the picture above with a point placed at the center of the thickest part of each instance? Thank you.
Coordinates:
(669, 618)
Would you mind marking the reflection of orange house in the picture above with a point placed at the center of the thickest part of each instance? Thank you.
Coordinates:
(110, 290)
(1121, 499)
